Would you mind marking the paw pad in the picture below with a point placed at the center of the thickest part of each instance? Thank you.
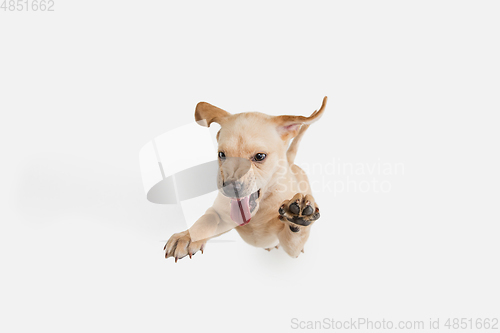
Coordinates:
(307, 211)
(301, 211)
(294, 208)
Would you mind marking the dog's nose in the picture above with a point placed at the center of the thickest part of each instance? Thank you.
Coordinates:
(235, 175)
(233, 188)
(237, 185)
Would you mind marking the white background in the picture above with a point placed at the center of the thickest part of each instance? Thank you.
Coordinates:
(83, 88)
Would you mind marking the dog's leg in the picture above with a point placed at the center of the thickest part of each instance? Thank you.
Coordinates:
(297, 215)
(188, 242)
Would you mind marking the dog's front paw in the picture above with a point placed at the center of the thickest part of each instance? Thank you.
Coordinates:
(300, 211)
(181, 245)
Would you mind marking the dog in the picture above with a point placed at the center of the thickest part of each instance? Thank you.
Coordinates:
(262, 193)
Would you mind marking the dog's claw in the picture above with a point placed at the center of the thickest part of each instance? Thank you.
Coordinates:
(190, 256)
(268, 249)
(302, 251)
(176, 260)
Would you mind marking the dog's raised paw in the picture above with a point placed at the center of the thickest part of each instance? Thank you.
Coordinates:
(300, 211)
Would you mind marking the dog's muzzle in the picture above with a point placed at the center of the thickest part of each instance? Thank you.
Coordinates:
(238, 183)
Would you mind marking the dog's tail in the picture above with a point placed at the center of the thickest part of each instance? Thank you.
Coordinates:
(294, 146)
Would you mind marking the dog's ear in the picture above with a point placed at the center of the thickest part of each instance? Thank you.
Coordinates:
(288, 126)
(206, 113)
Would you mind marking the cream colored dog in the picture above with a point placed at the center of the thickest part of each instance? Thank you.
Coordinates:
(263, 194)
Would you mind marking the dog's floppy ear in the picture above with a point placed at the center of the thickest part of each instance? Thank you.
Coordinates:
(288, 126)
(206, 113)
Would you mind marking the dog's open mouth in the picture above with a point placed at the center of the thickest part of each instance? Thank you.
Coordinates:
(242, 208)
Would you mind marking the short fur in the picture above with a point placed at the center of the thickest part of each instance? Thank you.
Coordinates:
(285, 209)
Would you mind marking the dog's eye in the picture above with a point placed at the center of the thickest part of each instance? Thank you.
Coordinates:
(222, 155)
(259, 157)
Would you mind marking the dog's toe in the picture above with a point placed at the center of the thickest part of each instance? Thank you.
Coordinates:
(294, 208)
(307, 211)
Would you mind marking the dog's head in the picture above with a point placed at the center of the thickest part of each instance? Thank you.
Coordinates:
(252, 150)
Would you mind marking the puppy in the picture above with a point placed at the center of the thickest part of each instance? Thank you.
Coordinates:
(262, 193)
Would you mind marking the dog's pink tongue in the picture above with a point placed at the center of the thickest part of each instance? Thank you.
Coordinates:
(240, 210)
